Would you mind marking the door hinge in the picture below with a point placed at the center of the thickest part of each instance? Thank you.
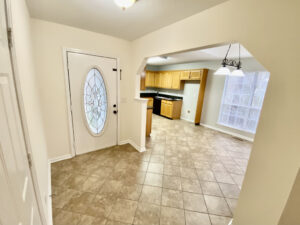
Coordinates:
(9, 37)
(29, 158)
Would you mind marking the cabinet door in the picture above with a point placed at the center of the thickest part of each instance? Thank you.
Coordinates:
(176, 82)
(142, 84)
(195, 74)
(168, 80)
(163, 108)
(152, 79)
(148, 79)
(185, 75)
(169, 110)
(157, 80)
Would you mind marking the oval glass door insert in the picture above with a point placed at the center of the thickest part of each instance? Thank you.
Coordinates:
(95, 101)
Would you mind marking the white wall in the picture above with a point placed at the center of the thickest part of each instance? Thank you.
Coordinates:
(274, 41)
(49, 40)
(30, 95)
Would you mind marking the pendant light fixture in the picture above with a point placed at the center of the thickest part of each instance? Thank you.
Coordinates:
(224, 70)
(124, 4)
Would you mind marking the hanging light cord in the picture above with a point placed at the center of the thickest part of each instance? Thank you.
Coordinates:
(227, 51)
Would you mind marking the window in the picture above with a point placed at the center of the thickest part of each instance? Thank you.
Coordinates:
(242, 101)
(95, 101)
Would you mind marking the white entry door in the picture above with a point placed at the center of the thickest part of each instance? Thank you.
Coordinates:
(93, 93)
(18, 205)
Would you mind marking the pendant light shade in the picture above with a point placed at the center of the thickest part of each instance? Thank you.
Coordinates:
(238, 73)
(124, 4)
(223, 70)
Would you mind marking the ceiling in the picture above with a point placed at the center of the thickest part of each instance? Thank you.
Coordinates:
(105, 17)
(209, 54)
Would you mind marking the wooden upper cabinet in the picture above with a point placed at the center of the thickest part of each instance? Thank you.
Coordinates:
(185, 75)
(157, 79)
(150, 79)
(168, 80)
(143, 85)
(195, 74)
(176, 82)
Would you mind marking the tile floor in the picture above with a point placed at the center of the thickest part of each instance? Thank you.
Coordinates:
(189, 175)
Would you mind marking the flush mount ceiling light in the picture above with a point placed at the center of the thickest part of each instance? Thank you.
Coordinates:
(124, 4)
(224, 70)
(157, 59)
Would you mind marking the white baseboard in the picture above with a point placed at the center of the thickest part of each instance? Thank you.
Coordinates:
(227, 132)
(60, 158)
(49, 206)
(137, 147)
(191, 121)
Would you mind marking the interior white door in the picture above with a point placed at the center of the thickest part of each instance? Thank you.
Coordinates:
(93, 92)
(18, 205)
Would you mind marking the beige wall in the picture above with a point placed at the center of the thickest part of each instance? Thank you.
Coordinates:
(291, 215)
(269, 29)
(30, 96)
(49, 40)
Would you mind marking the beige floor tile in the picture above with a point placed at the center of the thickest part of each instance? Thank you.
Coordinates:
(222, 177)
(156, 168)
(172, 170)
(230, 190)
(188, 173)
(157, 159)
(111, 187)
(62, 197)
(172, 182)
(151, 194)
(111, 222)
(172, 198)
(87, 220)
(154, 179)
(92, 184)
(65, 218)
(194, 202)
(219, 220)
(123, 211)
(176, 149)
(206, 175)
(99, 221)
(211, 188)
(101, 206)
(217, 205)
(232, 204)
(238, 179)
(75, 181)
(147, 214)
(80, 202)
(191, 185)
(171, 216)
(195, 218)
(131, 192)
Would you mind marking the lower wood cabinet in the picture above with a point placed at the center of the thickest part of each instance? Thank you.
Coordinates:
(171, 109)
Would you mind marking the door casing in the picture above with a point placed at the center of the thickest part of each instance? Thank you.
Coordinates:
(67, 88)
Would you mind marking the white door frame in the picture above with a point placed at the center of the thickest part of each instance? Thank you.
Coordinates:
(68, 92)
(21, 109)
